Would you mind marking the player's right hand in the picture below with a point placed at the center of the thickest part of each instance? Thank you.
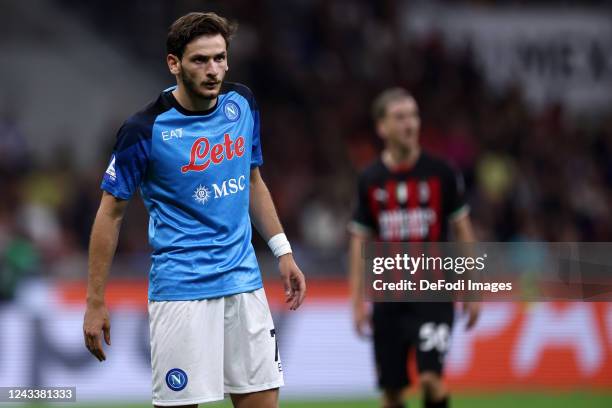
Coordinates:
(95, 323)
(362, 319)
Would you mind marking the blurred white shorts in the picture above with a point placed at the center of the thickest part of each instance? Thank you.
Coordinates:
(203, 349)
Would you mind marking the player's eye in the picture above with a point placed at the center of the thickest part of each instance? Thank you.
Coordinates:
(220, 58)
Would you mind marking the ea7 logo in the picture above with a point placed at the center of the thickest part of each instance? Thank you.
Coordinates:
(173, 133)
(230, 186)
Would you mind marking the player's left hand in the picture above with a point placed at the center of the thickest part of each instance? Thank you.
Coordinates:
(472, 309)
(95, 324)
(294, 281)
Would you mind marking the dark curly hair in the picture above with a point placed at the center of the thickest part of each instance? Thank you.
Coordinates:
(193, 25)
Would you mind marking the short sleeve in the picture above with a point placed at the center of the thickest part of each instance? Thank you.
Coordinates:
(456, 206)
(245, 92)
(129, 161)
(362, 222)
(256, 154)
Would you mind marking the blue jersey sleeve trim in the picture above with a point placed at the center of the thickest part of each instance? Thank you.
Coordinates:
(129, 162)
(256, 153)
(114, 191)
(245, 92)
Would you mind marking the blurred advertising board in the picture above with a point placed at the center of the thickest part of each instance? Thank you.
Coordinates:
(554, 345)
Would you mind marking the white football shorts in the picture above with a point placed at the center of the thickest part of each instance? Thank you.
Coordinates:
(204, 349)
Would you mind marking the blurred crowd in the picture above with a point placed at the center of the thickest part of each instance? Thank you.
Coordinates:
(315, 67)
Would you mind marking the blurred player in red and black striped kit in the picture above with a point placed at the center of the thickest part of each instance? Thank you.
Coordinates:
(406, 196)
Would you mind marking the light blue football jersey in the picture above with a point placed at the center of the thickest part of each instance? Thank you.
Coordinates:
(193, 171)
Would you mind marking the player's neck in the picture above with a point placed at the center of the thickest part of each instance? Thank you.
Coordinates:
(192, 102)
(400, 158)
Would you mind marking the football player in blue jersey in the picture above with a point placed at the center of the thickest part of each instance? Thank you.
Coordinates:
(194, 154)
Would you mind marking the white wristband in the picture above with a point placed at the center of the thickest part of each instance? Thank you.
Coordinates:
(279, 245)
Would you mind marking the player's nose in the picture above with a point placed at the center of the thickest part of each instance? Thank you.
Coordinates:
(212, 68)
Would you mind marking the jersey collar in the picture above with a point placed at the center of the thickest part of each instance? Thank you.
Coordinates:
(176, 105)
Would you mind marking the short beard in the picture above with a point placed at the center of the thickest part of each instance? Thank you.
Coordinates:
(191, 88)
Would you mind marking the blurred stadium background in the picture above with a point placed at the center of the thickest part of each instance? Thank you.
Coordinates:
(517, 94)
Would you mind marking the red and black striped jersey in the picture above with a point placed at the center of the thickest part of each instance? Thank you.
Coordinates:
(409, 204)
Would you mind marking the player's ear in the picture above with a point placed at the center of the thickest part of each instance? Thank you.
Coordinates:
(173, 64)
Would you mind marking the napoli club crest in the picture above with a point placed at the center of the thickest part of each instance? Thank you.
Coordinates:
(176, 379)
(231, 111)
